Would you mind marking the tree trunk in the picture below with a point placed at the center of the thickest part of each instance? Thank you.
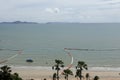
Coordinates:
(80, 74)
(67, 77)
(80, 78)
(57, 74)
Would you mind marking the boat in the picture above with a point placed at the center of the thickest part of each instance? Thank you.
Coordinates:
(29, 60)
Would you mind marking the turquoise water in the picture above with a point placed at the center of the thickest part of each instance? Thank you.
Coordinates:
(46, 42)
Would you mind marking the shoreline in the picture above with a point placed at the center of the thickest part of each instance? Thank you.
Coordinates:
(40, 74)
(114, 69)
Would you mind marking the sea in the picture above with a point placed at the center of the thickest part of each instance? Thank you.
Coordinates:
(97, 44)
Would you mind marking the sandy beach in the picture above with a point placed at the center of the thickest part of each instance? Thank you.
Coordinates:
(40, 74)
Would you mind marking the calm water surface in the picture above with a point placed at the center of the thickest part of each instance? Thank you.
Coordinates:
(46, 42)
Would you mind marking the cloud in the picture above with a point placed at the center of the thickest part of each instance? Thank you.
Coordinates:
(52, 10)
(60, 10)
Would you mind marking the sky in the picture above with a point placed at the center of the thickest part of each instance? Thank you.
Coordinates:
(83, 11)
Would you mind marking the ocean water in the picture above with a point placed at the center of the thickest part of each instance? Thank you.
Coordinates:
(98, 44)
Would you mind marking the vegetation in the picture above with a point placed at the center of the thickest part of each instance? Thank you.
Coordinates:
(80, 66)
(87, 76)
(67, 72)
(96, 78)
(59, 63)
(54, 76)
(5, 74)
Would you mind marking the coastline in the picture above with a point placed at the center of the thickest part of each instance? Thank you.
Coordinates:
(38, 73)
(45, 42)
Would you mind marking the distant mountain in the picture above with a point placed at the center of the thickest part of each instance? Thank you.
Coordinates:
(61, 22)
(18, 22)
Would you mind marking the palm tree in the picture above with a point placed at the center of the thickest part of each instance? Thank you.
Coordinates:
(5, 74)
(54, 76)
(96, 78)
(80, 66)
(67, 72)
(59, 63)
(87, 76)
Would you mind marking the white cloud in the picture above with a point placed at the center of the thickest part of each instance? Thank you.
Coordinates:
(52, 10)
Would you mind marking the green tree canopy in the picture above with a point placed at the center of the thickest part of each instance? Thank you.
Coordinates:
(58, 64)
(67, 72)
(80, 66)
(5, 74)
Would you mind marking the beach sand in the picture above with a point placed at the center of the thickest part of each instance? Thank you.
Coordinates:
(40, 74)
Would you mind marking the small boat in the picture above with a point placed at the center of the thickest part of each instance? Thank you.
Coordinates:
(29, 60)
